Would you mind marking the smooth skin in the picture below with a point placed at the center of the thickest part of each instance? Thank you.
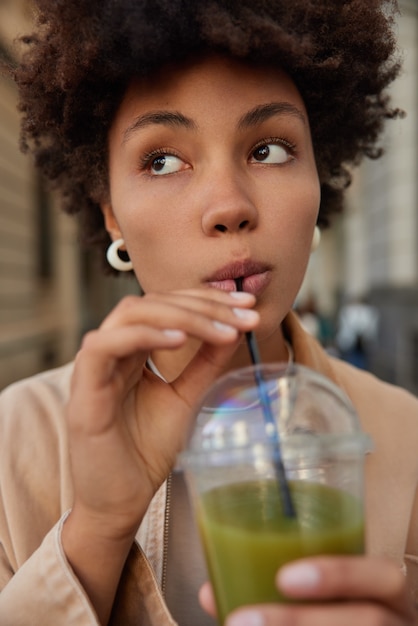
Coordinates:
(212, 173)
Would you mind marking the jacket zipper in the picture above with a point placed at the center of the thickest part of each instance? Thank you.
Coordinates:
(165, 538)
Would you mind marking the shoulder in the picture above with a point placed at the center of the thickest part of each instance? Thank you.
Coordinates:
(39, 399)
(368, 391)
(370, 395)
(387, 412)
(55, 382)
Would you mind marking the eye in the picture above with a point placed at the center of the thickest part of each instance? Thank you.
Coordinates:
(272, 153)
(165, 164)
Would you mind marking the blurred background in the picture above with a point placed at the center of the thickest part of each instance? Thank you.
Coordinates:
(360, 295)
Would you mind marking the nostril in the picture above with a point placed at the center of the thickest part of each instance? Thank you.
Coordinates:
(221, 228)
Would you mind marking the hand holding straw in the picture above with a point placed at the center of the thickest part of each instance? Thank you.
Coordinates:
(270, 422)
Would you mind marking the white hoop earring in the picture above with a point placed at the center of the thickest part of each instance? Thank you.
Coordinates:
(114, 259)
(316, 238)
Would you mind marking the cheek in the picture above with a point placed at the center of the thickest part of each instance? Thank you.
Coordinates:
(308, 193)
(153, 249)
(296, 210)
(306, 211)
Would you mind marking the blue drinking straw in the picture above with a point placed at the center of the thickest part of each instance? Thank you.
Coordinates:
(272, 432)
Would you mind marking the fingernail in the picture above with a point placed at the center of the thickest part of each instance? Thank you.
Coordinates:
(173, 334)
(241, 295)
(225, 328)
(247, 314)
(302, 576)
(246, 618)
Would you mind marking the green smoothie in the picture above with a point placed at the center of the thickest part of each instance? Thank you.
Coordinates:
(247, 538)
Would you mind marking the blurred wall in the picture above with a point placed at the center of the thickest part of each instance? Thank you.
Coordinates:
(372, 251)
(50, 290)
(38, 262)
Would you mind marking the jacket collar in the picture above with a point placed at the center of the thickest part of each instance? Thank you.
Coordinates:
(307, 350)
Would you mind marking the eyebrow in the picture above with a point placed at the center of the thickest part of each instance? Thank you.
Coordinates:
(165, 118)
(263, 112)
(255, 116)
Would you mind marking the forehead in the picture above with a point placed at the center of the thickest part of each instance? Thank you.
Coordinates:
(201, 88)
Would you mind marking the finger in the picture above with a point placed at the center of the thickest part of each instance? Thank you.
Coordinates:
(101, 350)
(217, 295)
(343, 614)
(184, 311)
(373, 578)
(198, 299)
(207, 600)
(203, 327)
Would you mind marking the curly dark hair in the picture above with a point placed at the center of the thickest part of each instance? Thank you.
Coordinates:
(76, 68)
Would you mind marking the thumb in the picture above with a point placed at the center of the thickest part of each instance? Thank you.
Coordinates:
(206, 366)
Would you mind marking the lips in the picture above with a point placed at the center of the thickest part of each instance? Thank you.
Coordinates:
(256, 277)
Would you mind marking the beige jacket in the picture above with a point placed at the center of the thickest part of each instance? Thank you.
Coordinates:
(38, 586)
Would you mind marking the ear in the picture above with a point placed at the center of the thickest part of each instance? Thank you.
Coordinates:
(111, 223)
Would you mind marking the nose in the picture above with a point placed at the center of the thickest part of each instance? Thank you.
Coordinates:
(228, 207)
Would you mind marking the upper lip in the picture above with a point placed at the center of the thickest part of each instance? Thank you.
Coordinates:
(239, 269)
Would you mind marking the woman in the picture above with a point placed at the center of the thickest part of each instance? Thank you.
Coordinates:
(208, 140)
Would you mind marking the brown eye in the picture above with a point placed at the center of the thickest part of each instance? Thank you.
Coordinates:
(271, 153)
(158, 164)
(261, 153)
(166, 164)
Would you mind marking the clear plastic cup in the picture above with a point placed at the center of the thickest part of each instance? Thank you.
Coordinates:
(231, 467)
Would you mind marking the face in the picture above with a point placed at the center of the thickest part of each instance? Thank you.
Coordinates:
(212, 178)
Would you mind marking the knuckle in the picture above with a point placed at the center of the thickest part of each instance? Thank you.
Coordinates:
(127, 302)
(88, 342)
(336, 572)
(345, 567)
